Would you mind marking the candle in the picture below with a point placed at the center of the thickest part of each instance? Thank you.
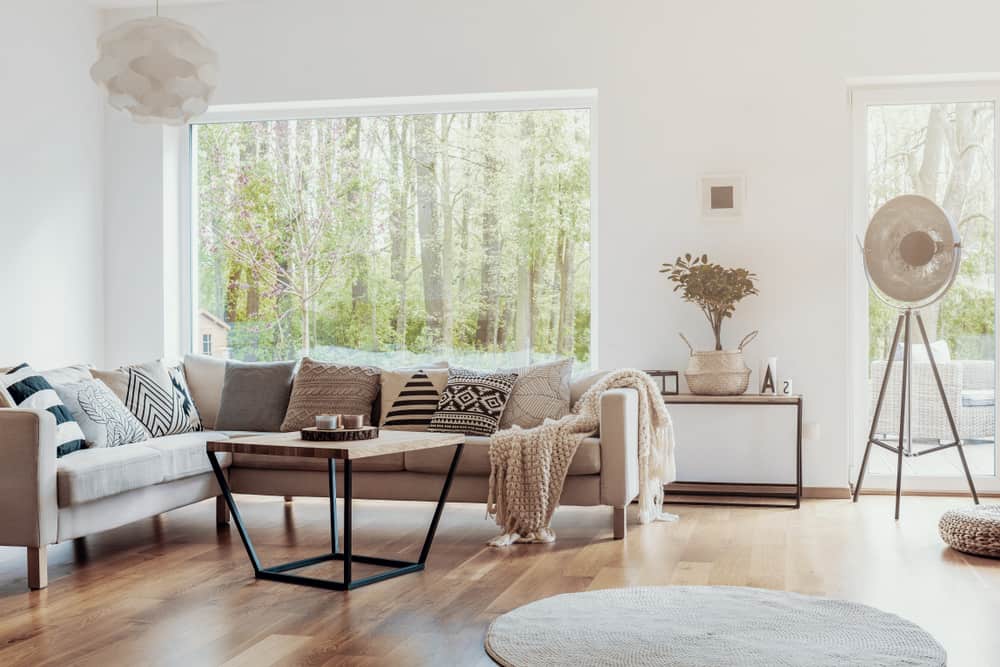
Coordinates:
(326, 422)
(353, 421)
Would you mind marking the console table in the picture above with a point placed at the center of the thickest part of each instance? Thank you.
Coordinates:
(791, 492)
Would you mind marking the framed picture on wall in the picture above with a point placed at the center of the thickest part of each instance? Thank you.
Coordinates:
(723, 197)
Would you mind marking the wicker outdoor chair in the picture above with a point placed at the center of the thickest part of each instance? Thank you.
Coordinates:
(968, 386)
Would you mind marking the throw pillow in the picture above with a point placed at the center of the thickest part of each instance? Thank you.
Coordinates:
(255, 396)
(150, 396)
(323, 388)
(179, 381)
(116, 380)
(205, 376)
(472, 402)
(410, 398)
(103, 418)
(541, 392)
(22, 387)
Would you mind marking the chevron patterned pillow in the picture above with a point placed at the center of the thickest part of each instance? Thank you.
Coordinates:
(151, 397)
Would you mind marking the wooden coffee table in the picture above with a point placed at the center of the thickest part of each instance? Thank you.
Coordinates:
(290, 444)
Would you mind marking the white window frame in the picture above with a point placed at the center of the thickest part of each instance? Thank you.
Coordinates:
(863, 93)
(582, 99)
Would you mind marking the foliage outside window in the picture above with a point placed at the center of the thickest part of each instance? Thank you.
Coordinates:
(397, 239)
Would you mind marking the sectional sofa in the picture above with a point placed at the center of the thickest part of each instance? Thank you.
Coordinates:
(45, 500)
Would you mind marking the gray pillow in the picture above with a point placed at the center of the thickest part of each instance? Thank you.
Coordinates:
(255, 396)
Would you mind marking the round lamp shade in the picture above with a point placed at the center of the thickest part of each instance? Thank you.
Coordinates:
(911, 251)
(157, 69)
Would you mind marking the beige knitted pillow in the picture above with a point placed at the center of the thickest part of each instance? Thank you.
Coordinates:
(322, 388)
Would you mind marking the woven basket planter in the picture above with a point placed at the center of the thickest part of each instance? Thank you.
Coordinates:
(974, 530)
(718, 372)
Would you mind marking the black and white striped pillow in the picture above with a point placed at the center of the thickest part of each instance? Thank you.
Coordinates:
(22, 387)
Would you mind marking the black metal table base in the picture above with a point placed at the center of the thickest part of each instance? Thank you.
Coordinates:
(346, 555)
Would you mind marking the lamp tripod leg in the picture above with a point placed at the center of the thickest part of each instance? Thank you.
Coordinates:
(959, 445)
(903, 410)
(878, 408)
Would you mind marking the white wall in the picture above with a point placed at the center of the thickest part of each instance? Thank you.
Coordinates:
(685, 88)
(51, 129)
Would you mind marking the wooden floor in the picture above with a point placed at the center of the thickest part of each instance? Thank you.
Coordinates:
(174, 591)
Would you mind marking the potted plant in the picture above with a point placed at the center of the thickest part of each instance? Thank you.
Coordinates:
(716, 290)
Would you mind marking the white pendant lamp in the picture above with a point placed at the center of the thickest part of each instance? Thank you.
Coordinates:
(157, 69)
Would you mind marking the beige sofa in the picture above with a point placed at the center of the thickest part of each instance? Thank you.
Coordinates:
(45, 500)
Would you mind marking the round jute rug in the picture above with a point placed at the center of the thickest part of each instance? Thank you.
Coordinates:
(706, 626)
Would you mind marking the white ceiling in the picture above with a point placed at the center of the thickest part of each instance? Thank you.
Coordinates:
(122, 4)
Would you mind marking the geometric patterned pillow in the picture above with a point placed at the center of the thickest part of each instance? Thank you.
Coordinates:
(187, 404)
(151, 397)
(410, 398)
(472, 402)
(22, 387)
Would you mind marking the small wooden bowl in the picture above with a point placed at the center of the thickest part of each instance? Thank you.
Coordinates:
(313, 434)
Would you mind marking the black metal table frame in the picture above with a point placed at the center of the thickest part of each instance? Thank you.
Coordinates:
(795, 495)
(280, 572)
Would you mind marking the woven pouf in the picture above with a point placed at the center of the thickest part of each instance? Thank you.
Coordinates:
(706, 626)
(974, 530)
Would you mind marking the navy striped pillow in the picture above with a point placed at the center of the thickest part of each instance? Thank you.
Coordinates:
(24, 388)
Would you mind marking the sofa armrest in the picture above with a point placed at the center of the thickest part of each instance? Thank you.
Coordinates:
(28, 496)
(619, 446)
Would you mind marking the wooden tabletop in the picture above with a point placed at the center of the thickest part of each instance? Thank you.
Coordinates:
(291, 444)
(747, 399)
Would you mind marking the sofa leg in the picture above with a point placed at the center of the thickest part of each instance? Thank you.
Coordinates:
(38, 567)
(288, 499)
(619, 523)
(221, 511)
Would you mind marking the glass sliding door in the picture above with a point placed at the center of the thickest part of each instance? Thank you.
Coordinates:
(918, 141)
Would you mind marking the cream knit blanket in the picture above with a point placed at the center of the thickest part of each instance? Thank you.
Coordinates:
(528, 466)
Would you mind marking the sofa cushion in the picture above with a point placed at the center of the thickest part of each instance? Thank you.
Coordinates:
(540, 392)
(579, 385)
(91, 474)
(409, 397)
(329, 389)
(22, 387)
(103, 418)
(184, 455)
(205, 376)
(387, 463)
(472, 402)
(255, 396)
(67, 374)
(476, 458)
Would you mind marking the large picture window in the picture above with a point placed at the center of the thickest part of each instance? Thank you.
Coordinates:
(398, 238)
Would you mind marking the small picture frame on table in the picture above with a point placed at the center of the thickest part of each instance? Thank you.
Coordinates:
(671, 378)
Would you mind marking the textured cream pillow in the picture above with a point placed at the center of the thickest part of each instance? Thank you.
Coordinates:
(410, 397)
(323, 388)
(117, 380)
(540, 392)
(205, 377)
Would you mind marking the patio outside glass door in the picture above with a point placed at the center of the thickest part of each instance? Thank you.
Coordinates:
(940, 144)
